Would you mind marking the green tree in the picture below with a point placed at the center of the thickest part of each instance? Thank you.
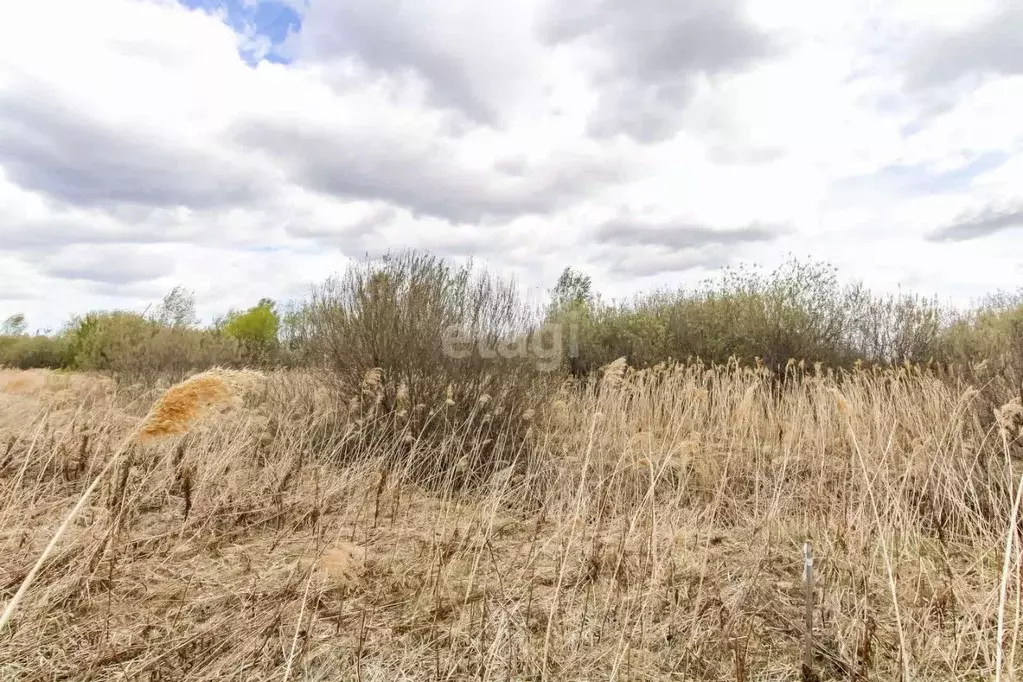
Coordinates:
(256, 329)
(14, 325)
(572, 308)
(105, 340)
(573, 289)
(177, 309)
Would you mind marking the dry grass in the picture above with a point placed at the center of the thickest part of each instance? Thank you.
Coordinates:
(177, 410)
(652, 529)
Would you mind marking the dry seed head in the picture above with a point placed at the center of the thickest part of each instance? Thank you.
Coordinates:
(614, 372)
(185, 402)
(240, 382)
(401, 398)
(840, 401)
(528, 414)
(968, 394)
(343, 563)
(560, 412)
(502, 477)
(484, 399)
(1009, 418)
(644, 440)
(371, 380)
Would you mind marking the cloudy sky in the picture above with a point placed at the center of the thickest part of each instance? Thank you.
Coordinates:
(248, 148)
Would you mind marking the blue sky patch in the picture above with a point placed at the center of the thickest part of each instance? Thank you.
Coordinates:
(266, 22)
(905, 180)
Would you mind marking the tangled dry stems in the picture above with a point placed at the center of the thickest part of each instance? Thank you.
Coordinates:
(650, 528)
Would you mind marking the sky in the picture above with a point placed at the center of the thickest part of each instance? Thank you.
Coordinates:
(251, 148)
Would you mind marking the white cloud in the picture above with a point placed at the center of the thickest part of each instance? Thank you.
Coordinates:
(141, 148)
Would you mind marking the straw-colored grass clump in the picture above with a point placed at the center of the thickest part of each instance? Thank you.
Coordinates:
(183, 404)
(1009, 418)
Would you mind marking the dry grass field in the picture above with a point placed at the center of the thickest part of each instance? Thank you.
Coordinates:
(650, 526)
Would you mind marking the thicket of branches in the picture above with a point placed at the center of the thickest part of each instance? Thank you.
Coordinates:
(417, 315)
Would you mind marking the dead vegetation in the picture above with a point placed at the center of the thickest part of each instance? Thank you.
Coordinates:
(646, 526)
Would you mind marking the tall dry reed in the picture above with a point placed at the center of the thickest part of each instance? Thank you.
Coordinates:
(655, 531)
(173, 413)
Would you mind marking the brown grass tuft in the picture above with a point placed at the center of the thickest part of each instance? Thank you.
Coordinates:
(1009, 418)
(614, 372)
(20, 382)
(186, 402)
(343, 563)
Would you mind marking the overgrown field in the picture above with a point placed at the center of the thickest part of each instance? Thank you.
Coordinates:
(637, 525)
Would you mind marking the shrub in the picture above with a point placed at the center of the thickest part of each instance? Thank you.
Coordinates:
(294, 334)
(27, 352)
(255, 330)
(894, 329)
(134, 348)
(986, 346)
(992, 332)
(405, 342)
(105, 340)
(800, 311)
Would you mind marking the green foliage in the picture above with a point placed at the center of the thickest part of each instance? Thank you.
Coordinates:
(136, 348)
(991, 334)
(26, 352)
(256, 329)
(104, 339)
(573, 290)
(294, 334)
(799, 311)
(14, 325)
(177, 309)
(431, 324)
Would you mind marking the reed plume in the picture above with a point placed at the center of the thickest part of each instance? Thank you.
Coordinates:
(614, 373)
(183, 404)
(173, 413)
